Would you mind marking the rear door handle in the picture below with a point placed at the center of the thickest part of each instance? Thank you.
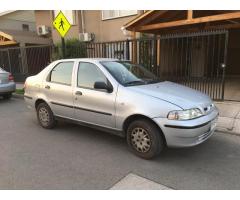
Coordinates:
(78, 93)
(47, 87)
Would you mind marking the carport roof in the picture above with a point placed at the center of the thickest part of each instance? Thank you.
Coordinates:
(164, 21)
(12, 37)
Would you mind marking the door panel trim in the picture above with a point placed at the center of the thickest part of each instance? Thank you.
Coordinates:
(79, 108)
(60, 104)
(95, 111)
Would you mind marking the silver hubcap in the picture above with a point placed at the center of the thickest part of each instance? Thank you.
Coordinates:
(43, 116)
(140, 140)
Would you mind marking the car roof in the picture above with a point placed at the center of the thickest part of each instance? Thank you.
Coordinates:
(90, 59)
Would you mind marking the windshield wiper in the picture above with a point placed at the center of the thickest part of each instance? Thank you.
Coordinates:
(137, 82)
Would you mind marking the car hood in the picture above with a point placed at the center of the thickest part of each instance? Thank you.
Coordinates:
(182, 96)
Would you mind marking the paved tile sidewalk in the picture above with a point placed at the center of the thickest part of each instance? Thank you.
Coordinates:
(229, 117)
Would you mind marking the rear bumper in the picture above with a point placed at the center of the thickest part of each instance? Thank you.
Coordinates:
(7, 88)
(188, 133)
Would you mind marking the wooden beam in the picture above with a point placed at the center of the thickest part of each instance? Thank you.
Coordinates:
(4, 43)
(158, 52)
(138, 18)
(154, 15)
(223, 26)
(134, 48)
(212, 18)
(189, 14)
(6, 35)
(196, 29)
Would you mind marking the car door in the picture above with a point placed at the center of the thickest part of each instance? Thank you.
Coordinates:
(58, 89)
(92, 105)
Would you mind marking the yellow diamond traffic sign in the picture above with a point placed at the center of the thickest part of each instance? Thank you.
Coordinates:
(61, 24)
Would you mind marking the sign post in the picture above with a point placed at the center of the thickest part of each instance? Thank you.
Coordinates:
(62, 25)
(63, 47)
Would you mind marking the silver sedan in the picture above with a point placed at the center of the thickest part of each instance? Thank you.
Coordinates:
(122, 98)
(7, 85)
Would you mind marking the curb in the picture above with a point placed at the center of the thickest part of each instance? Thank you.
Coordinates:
(18, 96)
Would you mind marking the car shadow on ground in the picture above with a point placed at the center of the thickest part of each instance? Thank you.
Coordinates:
(207, 150)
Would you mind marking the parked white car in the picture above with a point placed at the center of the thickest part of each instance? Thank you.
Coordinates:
(122, 98)
(7, 85)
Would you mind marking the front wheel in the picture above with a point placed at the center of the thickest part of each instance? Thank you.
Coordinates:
(45, 116)
(145, 139)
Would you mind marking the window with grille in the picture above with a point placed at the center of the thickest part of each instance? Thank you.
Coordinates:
(111, 14)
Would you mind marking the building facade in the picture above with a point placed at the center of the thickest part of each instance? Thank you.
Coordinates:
(102, 25)
(18, 28)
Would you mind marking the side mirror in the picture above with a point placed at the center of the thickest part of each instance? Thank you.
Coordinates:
(103, 86)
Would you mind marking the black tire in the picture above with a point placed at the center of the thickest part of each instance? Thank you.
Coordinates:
(49, 121)
(7, 96)
(152, 139)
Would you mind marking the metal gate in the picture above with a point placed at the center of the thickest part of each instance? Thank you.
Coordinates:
(197, 60)
(25, 61)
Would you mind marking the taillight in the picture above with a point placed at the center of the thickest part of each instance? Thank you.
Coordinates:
(10, 77)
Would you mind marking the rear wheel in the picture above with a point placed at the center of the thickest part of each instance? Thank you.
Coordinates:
(45, 116)
(7, 96)
(145, 139)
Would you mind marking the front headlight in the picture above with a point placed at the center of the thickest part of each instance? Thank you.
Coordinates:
(185, 114)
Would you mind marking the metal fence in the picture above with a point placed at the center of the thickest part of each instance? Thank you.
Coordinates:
(193, 59)
(25, 61)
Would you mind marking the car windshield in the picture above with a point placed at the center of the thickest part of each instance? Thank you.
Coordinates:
(129, 74)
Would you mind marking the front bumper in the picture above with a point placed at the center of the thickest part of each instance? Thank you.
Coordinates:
(7, 88)
(190, 132)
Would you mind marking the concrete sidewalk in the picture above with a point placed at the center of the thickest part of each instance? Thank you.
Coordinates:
(135, 182)
(229, 117)
(19, 85)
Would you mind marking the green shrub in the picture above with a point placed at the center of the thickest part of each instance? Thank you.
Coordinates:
(73, 49)
(19, 91)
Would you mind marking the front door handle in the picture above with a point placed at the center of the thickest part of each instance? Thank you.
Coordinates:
(78, 93)
(47, 87)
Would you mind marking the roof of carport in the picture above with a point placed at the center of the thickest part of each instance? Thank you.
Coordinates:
(11, 37)
(160, 21)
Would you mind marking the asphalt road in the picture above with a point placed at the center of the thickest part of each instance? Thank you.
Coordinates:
(75, 157)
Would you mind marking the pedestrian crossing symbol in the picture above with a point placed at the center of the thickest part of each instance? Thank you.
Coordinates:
(61, 24)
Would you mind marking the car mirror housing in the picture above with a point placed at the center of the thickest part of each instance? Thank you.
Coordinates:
(100, 85)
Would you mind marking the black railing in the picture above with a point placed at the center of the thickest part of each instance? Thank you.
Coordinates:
(25, 61)
(192, 59)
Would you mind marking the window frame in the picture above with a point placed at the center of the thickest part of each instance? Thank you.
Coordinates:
(116, 17)
(50, 74)
(108, 82)
(25, 27)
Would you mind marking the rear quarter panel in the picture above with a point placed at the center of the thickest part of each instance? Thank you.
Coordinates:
(33, 87)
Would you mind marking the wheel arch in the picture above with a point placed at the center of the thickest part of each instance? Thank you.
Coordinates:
(38, 101)
(134, 117)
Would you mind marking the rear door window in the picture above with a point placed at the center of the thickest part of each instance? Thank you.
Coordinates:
(62, 73)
